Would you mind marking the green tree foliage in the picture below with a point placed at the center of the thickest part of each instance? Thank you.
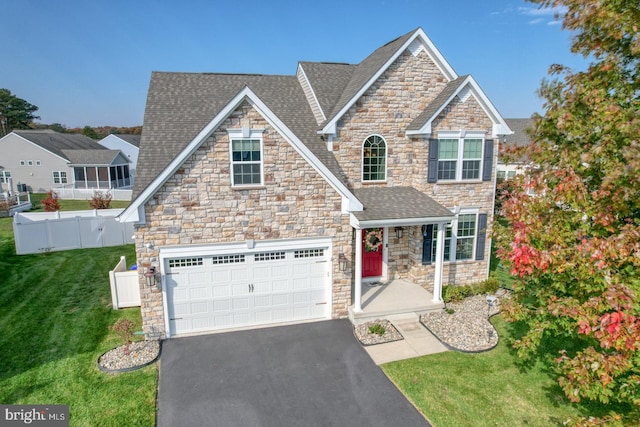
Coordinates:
(90, 132)
(15, 113)
(573, 233)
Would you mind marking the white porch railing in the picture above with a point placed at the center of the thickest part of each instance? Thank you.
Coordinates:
(125, 291)
(10, 203)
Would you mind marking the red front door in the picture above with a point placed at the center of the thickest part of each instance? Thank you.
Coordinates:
(372, 247)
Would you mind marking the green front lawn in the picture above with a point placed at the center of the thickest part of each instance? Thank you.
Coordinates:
(55, 313)
(485, 389)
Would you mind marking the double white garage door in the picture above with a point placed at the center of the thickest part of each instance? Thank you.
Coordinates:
(247, 288)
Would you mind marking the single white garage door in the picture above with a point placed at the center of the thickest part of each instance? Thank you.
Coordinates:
(213, 292)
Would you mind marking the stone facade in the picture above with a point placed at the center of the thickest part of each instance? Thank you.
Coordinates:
(198, 205)
(387, 109)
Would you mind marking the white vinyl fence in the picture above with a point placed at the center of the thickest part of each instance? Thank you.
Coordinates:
(70, 193)
(60, 231)
(125, 291)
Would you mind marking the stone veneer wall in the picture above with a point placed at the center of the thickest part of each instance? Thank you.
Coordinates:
(197, 205)
(387, 109)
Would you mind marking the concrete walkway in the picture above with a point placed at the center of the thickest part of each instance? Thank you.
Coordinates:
(418, 341)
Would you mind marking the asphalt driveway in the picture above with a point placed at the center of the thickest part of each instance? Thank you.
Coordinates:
(314, 374)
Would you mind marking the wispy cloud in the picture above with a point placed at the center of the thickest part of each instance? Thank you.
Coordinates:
(541, 14)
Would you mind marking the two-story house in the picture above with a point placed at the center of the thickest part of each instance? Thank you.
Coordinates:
(268, 199)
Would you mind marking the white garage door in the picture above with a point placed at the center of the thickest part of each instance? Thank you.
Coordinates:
(206, 293)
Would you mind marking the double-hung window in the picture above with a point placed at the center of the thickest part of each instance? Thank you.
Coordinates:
(464, 239)
(59, 177)
(5, 176)
(458, 157)
(246, 158)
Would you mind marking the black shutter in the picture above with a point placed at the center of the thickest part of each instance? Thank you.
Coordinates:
(487, 161)
(432, 171)
(481, 236)
(427, 243)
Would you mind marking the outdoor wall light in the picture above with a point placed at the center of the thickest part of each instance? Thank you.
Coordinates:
(399, 231)
(342, 262)
(151, 274)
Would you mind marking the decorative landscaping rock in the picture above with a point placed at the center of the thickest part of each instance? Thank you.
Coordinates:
(467, 328)
(141, 354)
(366, 337)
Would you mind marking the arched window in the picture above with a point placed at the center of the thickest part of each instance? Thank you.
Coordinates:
(374, 159)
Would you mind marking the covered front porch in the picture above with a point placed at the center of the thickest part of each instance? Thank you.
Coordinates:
(396, 297)
(394, 218)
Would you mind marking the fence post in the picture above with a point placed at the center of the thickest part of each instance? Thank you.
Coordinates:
(114, 289)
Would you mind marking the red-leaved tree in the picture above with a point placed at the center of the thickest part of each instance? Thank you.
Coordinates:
(50, 202)
(573, 233)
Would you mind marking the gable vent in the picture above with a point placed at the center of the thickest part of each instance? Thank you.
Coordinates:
(416, 47)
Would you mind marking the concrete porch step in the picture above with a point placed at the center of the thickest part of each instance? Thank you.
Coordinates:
(393, 315)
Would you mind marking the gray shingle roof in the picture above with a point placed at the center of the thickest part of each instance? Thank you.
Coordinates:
(57, 142)
(383, 203)
(520, 135)
(365, 70)
(437, 103)
(328, 81)
(180, 105)
(131, 139)
(93, 157)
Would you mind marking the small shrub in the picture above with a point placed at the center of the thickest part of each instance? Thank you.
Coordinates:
(51, 203)
(125, 330)
(100, 200)
(449, 310)
(489, 286)
(377, 328)
(456, 293)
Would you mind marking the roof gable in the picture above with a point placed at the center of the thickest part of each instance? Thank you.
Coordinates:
(459, 87)
(135, 211)
(369, 70)
(133, 140)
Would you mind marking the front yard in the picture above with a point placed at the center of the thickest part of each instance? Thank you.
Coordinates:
(55, 313)
(484, 389)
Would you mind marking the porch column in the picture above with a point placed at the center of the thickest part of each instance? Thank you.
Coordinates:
(437, 280)
(357, 303)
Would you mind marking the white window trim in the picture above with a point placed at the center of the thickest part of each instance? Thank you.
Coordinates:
(454, 235)
(386, 158)
(246, 133)
(60, 175)
(22, 163)
(5, 176)
(461, 136)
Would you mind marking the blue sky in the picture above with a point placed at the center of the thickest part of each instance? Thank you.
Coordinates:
(88, 62)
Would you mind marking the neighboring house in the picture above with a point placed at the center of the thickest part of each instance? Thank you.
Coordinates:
(268, 199)
(520, 137)
(128, 144)
(42, 160)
